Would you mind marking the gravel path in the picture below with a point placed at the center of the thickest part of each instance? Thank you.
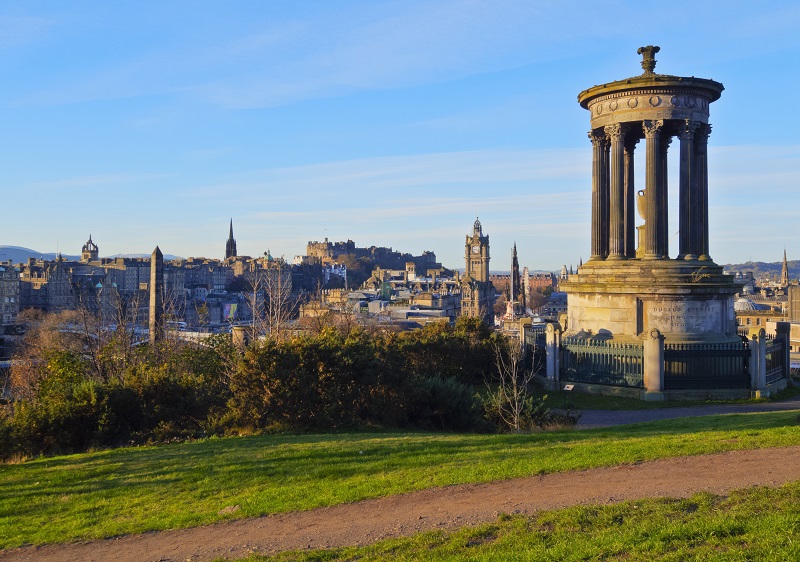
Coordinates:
(607, 418)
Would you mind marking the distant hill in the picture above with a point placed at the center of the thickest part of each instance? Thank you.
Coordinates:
(18, 254)
(770, 270)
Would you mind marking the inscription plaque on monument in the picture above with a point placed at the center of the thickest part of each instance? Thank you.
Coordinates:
(684, 316)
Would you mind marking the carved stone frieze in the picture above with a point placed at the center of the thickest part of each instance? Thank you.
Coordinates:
(648, 98)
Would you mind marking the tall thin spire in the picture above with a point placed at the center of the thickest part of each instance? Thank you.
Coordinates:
(785, 271)
(230, 245)
(516, 286)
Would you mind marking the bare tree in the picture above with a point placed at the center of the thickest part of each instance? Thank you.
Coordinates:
(509, 393)
(270, 298)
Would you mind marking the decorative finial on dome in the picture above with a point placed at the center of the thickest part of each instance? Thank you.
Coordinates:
(648, 58)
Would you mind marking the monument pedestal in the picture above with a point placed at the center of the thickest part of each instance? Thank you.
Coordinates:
(686, 301)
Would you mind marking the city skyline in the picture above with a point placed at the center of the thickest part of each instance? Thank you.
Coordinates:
(391, 124)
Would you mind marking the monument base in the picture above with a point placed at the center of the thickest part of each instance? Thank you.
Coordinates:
(687, 301)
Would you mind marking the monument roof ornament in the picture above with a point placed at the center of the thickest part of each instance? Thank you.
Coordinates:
(648, 58)
(659, 90)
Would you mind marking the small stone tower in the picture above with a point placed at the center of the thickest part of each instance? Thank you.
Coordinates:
(89, 252)
(156, 295)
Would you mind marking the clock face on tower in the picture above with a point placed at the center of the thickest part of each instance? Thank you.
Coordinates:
(476, 249)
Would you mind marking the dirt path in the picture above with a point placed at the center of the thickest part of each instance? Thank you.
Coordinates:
(441, 508)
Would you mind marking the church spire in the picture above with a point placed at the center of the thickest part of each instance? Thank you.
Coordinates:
(785, 271)
(230, 246)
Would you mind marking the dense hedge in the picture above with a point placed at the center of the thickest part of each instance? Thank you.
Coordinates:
(328, 381)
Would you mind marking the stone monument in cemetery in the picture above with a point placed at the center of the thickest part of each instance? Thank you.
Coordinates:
(631, 285)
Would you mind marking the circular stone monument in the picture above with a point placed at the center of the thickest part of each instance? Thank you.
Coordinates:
(630, 285)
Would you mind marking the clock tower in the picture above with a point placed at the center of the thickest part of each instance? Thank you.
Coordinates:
(476, 253)
(477, 292)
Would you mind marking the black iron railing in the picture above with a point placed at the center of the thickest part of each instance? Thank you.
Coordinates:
(694, 366)
(776, 360)
(602, 362)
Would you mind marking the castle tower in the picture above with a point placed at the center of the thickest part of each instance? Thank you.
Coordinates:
(156, 295)
(230, 245)
(89, 252)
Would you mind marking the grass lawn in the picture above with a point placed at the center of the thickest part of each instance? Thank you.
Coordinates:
(122, 491)
(750, 524)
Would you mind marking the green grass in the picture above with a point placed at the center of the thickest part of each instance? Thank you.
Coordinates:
(122, 491)
(751, 524)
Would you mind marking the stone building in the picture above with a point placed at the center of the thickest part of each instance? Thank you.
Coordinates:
(46, 285)
(9, 292)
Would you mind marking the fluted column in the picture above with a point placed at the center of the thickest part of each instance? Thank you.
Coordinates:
(654, 219)
(701, 164)
(630, 198)
(616, 222)
(605, 197)
(663, 145)
(598, 173)
(689, 220)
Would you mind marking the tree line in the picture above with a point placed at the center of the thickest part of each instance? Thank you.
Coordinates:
(74, 389)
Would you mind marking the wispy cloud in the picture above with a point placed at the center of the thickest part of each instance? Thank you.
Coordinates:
(422, 175)
(94, 181)
(19, 30)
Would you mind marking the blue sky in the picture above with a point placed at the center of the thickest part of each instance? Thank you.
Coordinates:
(390, 123)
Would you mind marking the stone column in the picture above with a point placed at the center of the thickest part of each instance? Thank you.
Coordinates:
(598, 173)
(701, 155)
(653, 227)
(654, 365)
(689, 219)
(762, 360)
(753, 364)
(616, 222)
(605, 196)
(630, 198)
(663, 146)
(552, 350)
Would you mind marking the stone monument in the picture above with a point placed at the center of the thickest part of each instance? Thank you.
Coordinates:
(625, 290)
(156, 295)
